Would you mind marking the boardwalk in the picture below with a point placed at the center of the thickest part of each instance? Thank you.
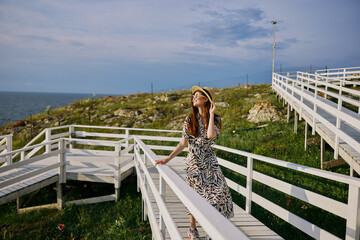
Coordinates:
(335, 123)
(93, 168)
(244, 221)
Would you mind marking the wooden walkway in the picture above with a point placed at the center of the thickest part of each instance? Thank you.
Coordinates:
(252, 227)
(94, 168)
(347, 152)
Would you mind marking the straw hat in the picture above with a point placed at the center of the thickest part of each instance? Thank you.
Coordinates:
(209, 93)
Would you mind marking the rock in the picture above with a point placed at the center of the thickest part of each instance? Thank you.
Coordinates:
(103, 117)
(47, 120)
(173, 98)
(159, 99)
(134, 113)
(257, 95)
(122, 111)
(263, 112)
(157, 116)
(20, 123)
(221, 104)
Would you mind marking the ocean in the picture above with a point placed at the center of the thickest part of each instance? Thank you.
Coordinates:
(20, 105)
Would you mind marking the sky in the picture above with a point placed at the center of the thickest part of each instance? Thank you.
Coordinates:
(124, 47)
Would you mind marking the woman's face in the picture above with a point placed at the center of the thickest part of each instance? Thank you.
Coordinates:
(199, 99)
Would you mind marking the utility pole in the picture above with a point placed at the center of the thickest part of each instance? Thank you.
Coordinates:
(274, 23)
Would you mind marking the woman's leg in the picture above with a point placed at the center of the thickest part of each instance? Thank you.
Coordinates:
(192, 221)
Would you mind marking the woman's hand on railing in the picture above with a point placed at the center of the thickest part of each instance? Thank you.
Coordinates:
(161, 161)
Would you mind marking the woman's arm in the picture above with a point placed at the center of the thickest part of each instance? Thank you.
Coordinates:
(178, 149)
(211, 133)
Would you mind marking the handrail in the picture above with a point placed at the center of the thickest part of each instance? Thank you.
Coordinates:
(281, 83)
(335, 207)
(124, 128)
(32, 141)
(213, 222)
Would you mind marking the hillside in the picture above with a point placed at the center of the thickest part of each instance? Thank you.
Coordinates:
(167, 111)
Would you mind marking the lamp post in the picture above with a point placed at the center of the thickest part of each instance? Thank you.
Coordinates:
(274, 23)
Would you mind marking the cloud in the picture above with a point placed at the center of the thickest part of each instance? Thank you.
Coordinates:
(197, 49)
(268, 45)
(227, 27)
(39, 38)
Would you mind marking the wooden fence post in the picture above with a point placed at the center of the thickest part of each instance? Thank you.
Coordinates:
(71, 134)
(9, 148)
(306, 133)
(353, 218)
(145, 217)
(127, 136)
(249, 178)
(62, 160)
(117, 171)
(322, 152)
(48, 138)
(162, 189)
(295, 121)
(62, 173)
(338, 124)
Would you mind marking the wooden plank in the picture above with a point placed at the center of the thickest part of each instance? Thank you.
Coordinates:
(26, 189)
(92, 200)
(29, 175)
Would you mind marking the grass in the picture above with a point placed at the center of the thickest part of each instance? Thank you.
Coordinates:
(109, 220)
(276, 140)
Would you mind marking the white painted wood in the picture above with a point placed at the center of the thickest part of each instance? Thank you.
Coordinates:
(29, 175)
(328, 204)
(29, 161)
(249, 177)
(313, 171)
(353, 220)
(154, 226)
(29, 209)
(90, 152)
(170, 224)
(232, 166)
(214, 223)
(33, 140)
(25, 189)
(303, 225)
(60, 135)
(62, 161)
(92, 200)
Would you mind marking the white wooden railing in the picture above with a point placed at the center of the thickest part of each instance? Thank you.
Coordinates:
(6, 145)
(349, 211)
(341, 75)
(212, 221)
(307, 86)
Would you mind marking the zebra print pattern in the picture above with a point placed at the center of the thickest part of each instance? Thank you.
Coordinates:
(203, 171)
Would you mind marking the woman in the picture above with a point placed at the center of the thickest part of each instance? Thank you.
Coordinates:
(200, 130)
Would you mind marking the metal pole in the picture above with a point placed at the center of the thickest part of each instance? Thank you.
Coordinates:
(274, 23)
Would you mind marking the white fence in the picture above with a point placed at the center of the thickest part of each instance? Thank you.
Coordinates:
(308, 87)
(212, 221)
(340, 75)
(6, 145)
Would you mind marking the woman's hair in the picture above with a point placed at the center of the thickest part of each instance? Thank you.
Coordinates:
(193, 124)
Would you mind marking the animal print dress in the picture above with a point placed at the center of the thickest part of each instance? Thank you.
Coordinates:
(203, 171)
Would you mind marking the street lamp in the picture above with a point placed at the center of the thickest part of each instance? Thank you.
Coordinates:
(274, 23)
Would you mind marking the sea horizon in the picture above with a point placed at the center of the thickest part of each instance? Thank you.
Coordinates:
(19, 105)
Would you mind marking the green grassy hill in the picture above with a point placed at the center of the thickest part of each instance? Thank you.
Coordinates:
(167, 111)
